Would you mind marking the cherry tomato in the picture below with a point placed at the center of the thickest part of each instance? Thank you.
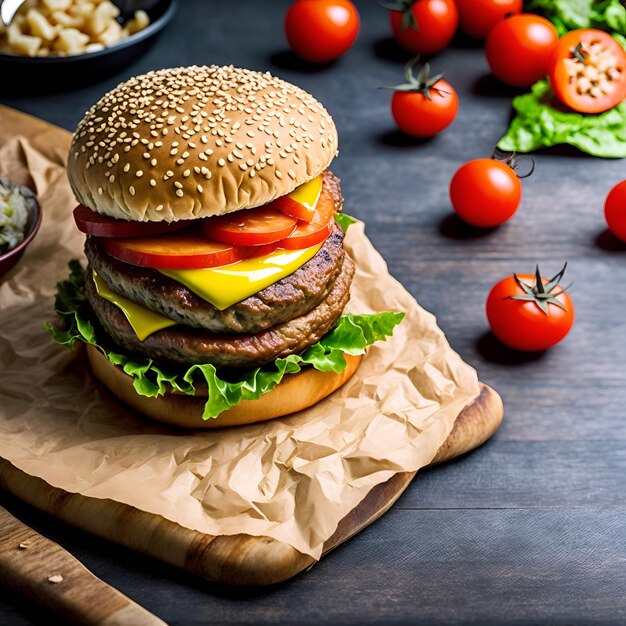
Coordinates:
(427, 28)
(419, 116)
(254, 227)
(317, 230)
(485, 192)
(320, 31)
(534, 323)
(519, 47)
(478, 17)
(178, 252)
(615, 210)
(92, 223)
(587, 71)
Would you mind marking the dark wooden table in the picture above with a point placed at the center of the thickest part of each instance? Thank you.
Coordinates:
(531, 528)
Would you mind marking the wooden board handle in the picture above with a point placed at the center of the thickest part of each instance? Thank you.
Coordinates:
(43, 570)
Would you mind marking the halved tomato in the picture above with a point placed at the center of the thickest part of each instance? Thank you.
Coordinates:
(176, 252)
(587, 71)
(317, 230)
(254, 227)
(92, 223)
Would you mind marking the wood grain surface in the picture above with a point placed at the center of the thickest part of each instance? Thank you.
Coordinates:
(235, 559)
(530, 528)
(42, 570)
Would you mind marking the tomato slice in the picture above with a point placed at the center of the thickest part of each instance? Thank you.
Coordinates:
(254, 227)
(301, 202)
(587, 71)
(92, 223)
(293, 208)
(176, 252)
(317, 230)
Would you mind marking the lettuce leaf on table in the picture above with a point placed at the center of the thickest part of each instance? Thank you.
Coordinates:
(541, 123)
(609, 15)
(350, 335)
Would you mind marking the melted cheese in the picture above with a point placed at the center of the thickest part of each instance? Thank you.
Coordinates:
(143, 321)
(226, 285)
(309, 193)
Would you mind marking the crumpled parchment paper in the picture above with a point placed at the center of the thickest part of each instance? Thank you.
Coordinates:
(292, 479)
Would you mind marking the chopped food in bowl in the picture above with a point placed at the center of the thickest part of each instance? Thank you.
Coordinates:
(67, 27)
(20, 218)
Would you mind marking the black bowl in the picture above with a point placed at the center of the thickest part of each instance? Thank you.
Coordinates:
(12, 256)
(30, 75)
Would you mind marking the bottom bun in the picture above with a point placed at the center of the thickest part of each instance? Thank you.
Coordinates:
(295, 393)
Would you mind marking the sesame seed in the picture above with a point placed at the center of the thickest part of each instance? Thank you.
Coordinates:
(131, 190)
(186, 173)
(153, 182)
(138, 173)
(221, 162)
(127, 167)
(178, 185)
(179, 193)
(199, 188)
(180, 161)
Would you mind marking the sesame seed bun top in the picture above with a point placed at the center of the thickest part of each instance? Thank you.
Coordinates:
(195, 142)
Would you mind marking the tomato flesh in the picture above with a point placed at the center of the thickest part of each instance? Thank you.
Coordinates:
(317, 230)
(522, 325)
(254, 227)
(92, 223)
(592, 80)
(177, 252)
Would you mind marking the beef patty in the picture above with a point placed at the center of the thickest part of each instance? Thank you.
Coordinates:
(289, 298)
(182, 345)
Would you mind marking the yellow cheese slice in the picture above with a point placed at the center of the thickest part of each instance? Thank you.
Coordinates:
(224, 286)
(143, 321)
(309, 193)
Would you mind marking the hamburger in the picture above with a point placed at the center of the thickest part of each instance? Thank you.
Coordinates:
(216, 277)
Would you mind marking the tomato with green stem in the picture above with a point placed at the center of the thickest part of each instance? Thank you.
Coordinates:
(423, 106)
(320, 31)
(529, 313)
(487, 192)
(478, 17)
(518, 49)
(615, 210)
(423, 26)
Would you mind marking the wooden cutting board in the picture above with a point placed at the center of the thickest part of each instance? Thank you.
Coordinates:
(237, 559)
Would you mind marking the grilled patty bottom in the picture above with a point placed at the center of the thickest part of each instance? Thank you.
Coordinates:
(183, 345)
(289, 298)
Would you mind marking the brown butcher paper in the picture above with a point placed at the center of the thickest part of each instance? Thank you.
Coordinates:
(292, 479)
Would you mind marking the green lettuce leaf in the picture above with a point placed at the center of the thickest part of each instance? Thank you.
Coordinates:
(350, 335)
(608, 15)
(344, 220)
(540, 123)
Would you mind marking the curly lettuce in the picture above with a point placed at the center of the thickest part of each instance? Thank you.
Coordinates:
(608, 15)
(540, 122)
(350, 335)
